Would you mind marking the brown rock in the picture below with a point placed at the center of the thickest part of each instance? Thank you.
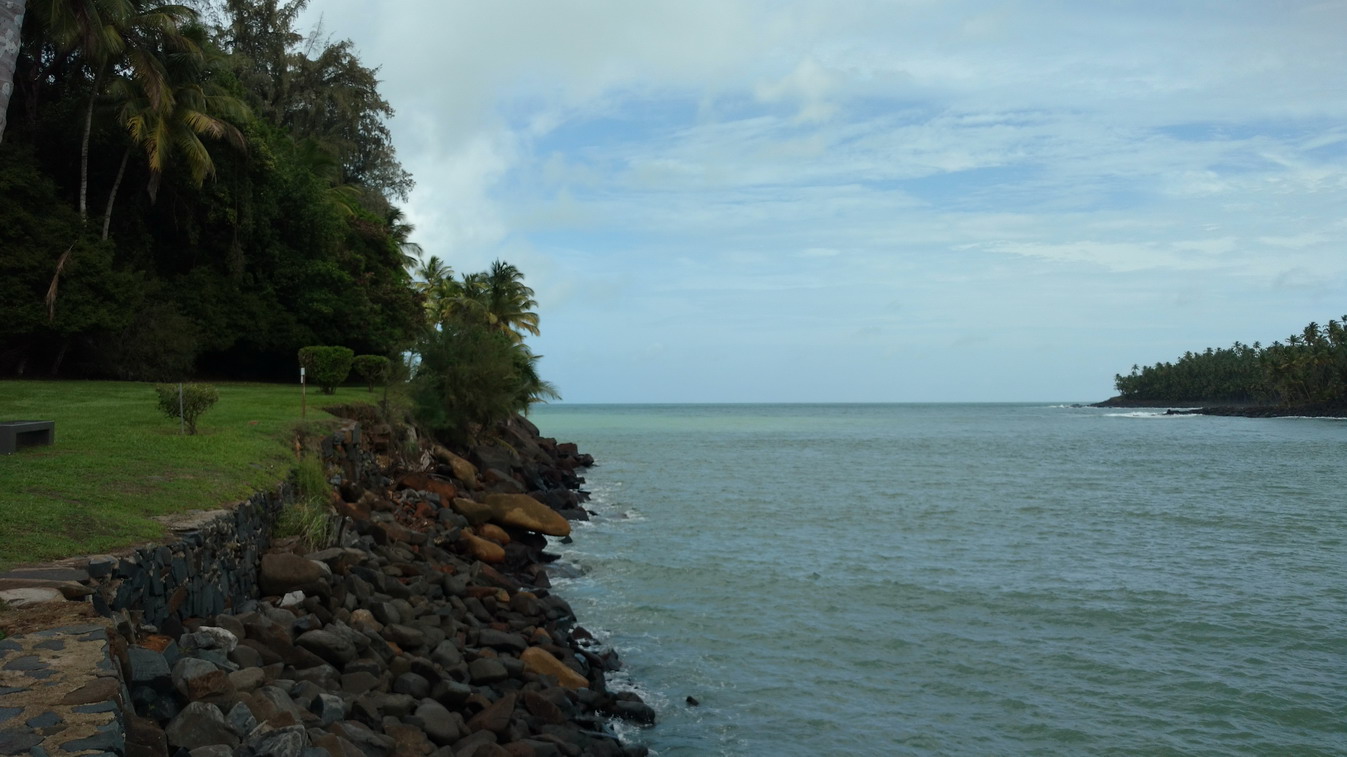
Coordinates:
(481, 549)
(539, 661)
(494, 533)
(523, 511)
(463, 470)
(475, 512)
(427, 483)
(282, 572)
(495, 718)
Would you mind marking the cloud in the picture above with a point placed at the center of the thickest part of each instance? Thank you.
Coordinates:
(686, 174)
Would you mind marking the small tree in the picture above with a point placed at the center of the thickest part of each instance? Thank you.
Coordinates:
(327, 366)
(372, 369)
(189, 404)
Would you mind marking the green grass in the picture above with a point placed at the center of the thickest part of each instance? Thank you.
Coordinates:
(118, 461)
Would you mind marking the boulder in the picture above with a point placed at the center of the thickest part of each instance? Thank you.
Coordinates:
(426, 483)
(463, 470)
(523, 511)
(475, 512)
(492, 532)
(496, 717)
(540, 661)
(481, 549)
(332, 647)
(200, 724)
(282, 572)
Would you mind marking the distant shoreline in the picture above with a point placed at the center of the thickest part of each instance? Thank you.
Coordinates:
(1241, 410)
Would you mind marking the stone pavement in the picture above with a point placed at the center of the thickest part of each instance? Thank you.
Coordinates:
(60, 693)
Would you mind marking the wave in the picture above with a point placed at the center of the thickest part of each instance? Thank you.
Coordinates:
(1150, 414)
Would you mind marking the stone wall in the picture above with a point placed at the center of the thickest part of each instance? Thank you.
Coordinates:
(213, 564)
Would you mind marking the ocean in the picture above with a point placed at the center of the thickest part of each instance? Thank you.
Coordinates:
(966, 579)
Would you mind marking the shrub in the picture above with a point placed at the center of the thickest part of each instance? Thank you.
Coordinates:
(374, 370)
(466, 380)
(195, 399)
(327, 366)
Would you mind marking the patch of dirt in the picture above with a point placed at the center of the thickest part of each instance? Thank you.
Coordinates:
(44, 615)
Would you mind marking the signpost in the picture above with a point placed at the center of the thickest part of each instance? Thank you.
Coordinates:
(303, 397)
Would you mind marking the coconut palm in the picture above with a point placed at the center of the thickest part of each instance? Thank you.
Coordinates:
(168, 122)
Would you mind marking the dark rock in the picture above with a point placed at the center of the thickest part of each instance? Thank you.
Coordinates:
(196, 679)
(496, 717)
(442, 726)
(289, 741)
(240, 718)
(329, 708)
(412, 685)
(486, 670)
(283, 572)
(512, 642)
(148, 667)
(332, 647)
(200, 724)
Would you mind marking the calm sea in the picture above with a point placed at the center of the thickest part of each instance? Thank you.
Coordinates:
(967, 579)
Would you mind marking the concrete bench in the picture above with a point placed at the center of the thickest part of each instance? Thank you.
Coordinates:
(17, 434)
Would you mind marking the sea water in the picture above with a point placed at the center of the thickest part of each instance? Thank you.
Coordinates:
(966, 579)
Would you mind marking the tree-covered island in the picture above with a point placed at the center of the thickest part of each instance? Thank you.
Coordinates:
(1305, 373)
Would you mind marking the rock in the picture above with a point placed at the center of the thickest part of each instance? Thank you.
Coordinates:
(196, 679)
(542, 708)
(492, 532)
(523, 511)
(412, 685)
(636, 712)
(481, 549)
(200, 724)
(496, 717)
(281, 742)
(330, 646)
(463, 470)
(282, 572)
(329, 708)
(540, 661)
(475, 512)
(148, 667)
(442, 726)
(487, 670)
(510, 642)
(426, 483)
(28, 596)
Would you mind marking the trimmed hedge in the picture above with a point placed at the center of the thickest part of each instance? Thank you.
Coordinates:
(374, 370)
(327, 366)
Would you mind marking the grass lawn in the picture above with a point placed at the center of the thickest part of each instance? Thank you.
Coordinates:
(118, 461)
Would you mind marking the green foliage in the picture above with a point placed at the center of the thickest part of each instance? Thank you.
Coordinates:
(470, 376)
(309, 517)
(327, 366)
(374, 370)
(310, 480)
(309, 520)
(1309, 368)
(187, 404)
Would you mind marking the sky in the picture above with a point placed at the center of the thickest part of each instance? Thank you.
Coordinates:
(900, 201)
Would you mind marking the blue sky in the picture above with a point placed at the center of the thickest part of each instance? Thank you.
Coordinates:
(735, 201)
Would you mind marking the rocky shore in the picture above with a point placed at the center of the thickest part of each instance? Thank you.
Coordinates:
(1243, 410)
(429, 628)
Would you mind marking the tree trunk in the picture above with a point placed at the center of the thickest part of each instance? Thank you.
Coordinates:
(112, 196)
(84, 153)
(11, 24)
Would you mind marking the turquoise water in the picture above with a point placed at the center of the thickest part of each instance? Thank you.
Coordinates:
(967, 579)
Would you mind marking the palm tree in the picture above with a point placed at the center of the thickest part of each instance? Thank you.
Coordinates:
(509, 302)
(170, 121)
(11, 24)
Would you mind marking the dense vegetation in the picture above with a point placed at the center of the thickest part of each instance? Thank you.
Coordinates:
(1309, 368)
(203, 190)
(182, 196)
